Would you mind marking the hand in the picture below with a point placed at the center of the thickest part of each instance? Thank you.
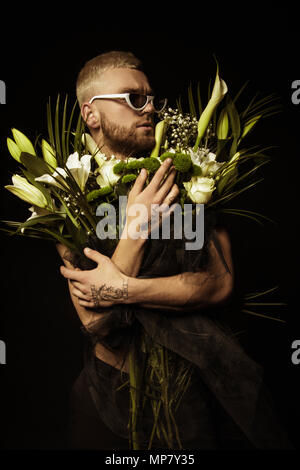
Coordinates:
(103, 286)
(158, 192)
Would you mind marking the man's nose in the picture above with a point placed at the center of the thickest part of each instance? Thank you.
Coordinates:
(149, 108)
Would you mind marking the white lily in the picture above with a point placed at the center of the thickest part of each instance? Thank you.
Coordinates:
(27, 191)
(209, 165)
(218, 93)
(37, 212)
(206, 160)
(58, 176)
(79, 168)
(107, 177)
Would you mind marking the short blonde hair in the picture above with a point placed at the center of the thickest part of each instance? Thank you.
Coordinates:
(90, 73)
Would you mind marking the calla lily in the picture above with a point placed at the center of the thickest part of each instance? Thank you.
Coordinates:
(14, 149)
(49, 154)
(219, 91)
(159, 131)
(27, 191)
(23, 142)
(79, 169)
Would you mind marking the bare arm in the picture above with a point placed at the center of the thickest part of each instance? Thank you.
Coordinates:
(185, 291)
(106, 285)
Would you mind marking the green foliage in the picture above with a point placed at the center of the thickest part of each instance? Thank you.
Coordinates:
(166, 155)
(151, 164)
(96, 193)
(128, 178)
(182, 162)
(119, 167)
(134, 165)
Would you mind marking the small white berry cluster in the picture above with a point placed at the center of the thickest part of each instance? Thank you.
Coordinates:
(182, 128)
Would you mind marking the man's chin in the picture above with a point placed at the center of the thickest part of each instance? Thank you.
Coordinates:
(144, 145)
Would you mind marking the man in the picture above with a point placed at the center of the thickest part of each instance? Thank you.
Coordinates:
(124, 126)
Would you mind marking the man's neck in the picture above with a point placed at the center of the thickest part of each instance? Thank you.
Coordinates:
(108, 152)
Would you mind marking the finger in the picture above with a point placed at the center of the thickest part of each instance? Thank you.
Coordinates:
(80, 287)
(94, 255)
(166, 186)
(80, 295)
(169, 211)
(160, 173)
(139, 183)
(172, 195)
(85, 303)
(71, 273)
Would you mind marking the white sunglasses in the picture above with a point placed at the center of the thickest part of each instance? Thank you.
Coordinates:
(136, 101)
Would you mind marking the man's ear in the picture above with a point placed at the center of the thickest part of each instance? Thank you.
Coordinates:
(90, 115)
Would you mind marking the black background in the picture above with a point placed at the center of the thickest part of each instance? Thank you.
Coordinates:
(37, 321)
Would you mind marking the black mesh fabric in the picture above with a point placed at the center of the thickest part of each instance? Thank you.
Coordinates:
(231, 377)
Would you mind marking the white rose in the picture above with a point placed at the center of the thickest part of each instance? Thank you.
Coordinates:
(200, 189)
(106, 175)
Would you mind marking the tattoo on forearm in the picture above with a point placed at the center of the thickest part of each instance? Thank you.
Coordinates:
(108, 293)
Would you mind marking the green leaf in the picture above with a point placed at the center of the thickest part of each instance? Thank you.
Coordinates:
(69, 129)
(199, 99)
(49, 123)
(35, 165)
(192, 107)
(234, 124)
(56, 128)
(43, 219)
(63, 131)
(262, 315)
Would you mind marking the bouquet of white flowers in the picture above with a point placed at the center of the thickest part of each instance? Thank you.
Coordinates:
(67, 190)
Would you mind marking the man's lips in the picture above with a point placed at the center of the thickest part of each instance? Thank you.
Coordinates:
(147, 125)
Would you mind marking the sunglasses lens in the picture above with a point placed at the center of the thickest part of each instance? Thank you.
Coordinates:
(137, 101)
(159, 103)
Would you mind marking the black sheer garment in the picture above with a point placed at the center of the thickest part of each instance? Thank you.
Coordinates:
(227, 404)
